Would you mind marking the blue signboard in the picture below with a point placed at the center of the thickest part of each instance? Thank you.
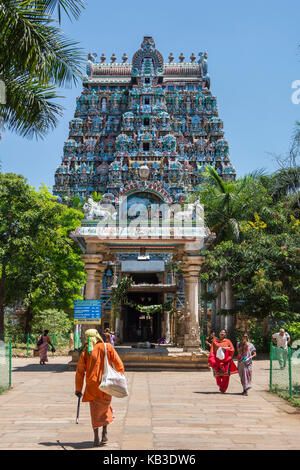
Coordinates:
(87, 311)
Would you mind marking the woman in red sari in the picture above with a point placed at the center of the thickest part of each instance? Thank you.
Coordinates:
(220, 359)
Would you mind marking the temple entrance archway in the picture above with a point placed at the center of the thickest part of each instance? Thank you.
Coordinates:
(138, 326)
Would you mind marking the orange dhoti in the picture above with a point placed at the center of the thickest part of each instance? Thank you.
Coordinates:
(91, 366)
(101, 411)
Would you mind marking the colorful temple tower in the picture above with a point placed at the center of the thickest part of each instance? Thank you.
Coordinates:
(144, 131)
(143, 124)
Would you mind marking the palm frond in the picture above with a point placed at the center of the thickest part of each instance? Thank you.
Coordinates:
(217, 179)
(32, 44)
(256, 174)
(29, 110)
(72, 8)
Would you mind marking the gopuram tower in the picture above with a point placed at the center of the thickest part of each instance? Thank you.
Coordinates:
(143, 130)
(143, 124)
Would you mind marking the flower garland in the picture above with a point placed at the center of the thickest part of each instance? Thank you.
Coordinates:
(151, 309)
(120, 294)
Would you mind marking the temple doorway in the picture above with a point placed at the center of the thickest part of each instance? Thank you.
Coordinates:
(141, 327)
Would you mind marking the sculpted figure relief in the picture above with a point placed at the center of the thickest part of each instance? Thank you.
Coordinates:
(95, 210)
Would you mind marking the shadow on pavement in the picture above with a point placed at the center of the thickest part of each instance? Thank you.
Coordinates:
(38, 368)
(217, 393)
(74, 445)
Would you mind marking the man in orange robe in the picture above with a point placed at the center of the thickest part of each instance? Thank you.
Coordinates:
(222, 368)
(91, 366)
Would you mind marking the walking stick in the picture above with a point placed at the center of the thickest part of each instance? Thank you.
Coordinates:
(78, 406)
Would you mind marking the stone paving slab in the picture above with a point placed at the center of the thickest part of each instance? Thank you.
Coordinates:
(165, 410)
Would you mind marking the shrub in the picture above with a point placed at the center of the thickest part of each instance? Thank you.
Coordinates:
(56, 321)
(255, 332)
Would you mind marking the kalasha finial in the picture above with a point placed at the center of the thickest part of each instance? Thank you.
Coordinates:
(181, 57)
(124, 57)
(171, 57)
(103, 58)
(113, 58)
(193, 57)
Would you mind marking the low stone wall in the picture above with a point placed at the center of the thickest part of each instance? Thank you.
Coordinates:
(160, 358)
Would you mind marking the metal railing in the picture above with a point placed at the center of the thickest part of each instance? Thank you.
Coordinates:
(77, 341)
(29, 343)
(285, 371)
(5, 365)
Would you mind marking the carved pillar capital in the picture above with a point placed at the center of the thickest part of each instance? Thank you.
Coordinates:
(94, 272)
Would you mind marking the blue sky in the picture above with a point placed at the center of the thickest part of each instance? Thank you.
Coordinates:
(253, 58)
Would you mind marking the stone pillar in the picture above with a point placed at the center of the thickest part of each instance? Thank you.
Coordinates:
(166, 330)
(222, 306)
(121, 325)
(191, 269)
(182, 317)
(231, 317)
(213, 322)
(94, 269)
(117, 324)
(218, 306)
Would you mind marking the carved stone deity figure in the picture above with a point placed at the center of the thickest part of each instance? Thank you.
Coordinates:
(93, 210)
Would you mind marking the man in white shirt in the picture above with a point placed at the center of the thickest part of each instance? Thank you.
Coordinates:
(282, 342)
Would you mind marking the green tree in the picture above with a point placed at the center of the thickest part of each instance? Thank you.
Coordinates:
(40, 264)
(225, 203)
(253, 222)
(119, 295)
(262, 265)
(56, 321)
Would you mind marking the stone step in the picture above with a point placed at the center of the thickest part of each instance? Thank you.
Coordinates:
(157, 359)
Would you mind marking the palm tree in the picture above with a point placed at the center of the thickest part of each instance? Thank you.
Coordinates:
(35, 57)
(224, 202)
(286, 181)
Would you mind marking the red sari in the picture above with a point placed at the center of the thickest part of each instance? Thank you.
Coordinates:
(222, 369)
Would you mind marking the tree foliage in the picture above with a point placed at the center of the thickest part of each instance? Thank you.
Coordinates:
(40, 264)
(35, 57)
(260, 257)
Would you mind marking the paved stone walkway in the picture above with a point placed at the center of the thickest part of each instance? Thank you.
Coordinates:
(165, 410)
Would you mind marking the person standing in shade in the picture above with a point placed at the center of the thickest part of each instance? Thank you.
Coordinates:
(209, 340)
(220, 360)
(112, 338)
(282, 342)
(43, 343)
(246, 352)
(91, 366)
(106, 335)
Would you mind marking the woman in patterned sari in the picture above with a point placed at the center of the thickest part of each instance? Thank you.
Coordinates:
(43, 347)
(246, 352)
(220, 360)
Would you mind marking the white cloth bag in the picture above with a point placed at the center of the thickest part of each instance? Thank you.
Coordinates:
(220, 354)
(113, 382)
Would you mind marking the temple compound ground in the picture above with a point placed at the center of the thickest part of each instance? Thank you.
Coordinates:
(165, 410)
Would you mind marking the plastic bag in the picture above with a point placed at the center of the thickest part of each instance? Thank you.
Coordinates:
(113, 382)
(220, 354)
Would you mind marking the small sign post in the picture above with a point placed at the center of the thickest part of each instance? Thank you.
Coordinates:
(87, 312)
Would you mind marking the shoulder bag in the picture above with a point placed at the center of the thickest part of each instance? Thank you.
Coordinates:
(113, 382)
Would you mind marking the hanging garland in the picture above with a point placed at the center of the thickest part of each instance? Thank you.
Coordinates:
(151, 309)
(120, 294)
